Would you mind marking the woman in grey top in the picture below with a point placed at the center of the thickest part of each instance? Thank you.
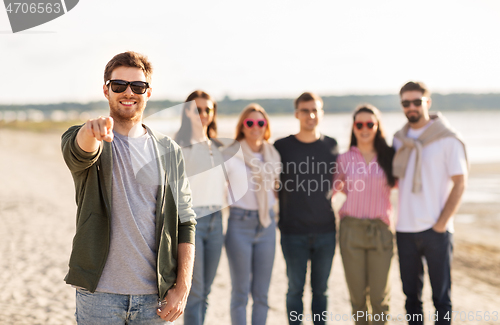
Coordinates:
(203, 161)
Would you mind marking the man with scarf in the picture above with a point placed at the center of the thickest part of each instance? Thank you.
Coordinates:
(431, 164)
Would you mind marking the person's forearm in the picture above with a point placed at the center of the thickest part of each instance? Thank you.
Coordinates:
(185, 266)
(86, 142)
(452, 203)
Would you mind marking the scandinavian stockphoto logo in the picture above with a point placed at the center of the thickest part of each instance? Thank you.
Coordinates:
(28, 14)
(208, 161)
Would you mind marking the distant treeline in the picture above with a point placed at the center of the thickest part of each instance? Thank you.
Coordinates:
(332, 104)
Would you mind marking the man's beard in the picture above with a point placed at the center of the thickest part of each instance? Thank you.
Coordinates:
(121, 115)
(413, 118)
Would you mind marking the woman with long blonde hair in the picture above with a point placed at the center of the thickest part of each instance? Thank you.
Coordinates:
(251, 232)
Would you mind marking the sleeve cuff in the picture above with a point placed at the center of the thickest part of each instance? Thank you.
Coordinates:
(187, 232)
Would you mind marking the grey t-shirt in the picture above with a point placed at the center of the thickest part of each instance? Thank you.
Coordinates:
(131, 264)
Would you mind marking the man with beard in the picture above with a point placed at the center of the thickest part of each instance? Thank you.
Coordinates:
(432, 168)
(133, 251)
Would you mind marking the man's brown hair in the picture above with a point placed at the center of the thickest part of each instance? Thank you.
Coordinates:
(129, 59)
(415, 85)
(307, 96)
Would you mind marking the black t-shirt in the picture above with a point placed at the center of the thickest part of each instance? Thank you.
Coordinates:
(306, 185)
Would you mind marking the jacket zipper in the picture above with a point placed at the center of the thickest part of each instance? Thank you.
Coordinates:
(108, 214)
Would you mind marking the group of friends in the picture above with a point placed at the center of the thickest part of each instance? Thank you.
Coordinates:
(149, 230)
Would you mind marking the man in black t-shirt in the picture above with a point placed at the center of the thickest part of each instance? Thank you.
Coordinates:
(307, 220)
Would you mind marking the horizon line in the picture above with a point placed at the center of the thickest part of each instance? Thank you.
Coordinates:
(230, 98)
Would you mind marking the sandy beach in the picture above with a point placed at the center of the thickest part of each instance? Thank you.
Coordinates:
(37, 213)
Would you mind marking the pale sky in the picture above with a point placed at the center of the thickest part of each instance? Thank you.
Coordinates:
(259, 49)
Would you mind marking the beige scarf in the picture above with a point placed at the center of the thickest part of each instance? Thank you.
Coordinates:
(439, 129)
(264, 173)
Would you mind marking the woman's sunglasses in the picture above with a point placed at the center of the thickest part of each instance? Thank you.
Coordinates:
(250, 122)
(207, 110)
(369, 125)
(119, 86)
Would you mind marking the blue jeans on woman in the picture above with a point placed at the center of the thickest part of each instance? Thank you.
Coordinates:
(298, 250)
(250, 250)
(208, 246)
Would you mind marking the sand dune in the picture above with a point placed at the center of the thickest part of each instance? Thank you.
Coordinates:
(37, 214)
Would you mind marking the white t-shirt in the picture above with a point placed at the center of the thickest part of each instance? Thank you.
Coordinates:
(242, 185)
(205, 174)
(441, 159)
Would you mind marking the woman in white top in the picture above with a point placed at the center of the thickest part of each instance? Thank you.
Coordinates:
(202, 156)
(251, 234)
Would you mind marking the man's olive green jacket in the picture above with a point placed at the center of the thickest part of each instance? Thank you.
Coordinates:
(92, 174)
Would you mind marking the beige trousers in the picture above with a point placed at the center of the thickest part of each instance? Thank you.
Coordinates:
(366, 246)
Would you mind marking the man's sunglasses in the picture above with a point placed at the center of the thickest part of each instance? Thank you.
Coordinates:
(416, 102)
(119, 86)
(250, 122)
(369, 125)
(207, 110)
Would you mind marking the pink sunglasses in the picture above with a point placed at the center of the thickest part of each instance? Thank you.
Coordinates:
(250, 122)
(369, 125)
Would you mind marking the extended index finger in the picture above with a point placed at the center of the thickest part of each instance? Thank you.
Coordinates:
(108, 129)
(109, 123)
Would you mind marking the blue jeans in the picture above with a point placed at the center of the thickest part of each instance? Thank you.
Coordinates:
(250, 251)
(297, 250)
(437, 249)
(100, 308)
(209, 241)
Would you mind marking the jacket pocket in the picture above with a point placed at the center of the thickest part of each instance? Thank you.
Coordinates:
(167, 265)
(90, 244)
